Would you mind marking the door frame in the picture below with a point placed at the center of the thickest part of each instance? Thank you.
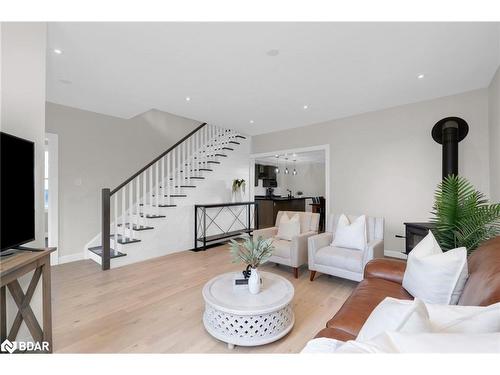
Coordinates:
(53, 211)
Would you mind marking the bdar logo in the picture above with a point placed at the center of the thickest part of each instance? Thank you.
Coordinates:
(8, 346)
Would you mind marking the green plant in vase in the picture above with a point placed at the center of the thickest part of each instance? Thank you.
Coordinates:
(253, 253)
(462, 215)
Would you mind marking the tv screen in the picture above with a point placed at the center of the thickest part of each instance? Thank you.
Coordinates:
(17, 191)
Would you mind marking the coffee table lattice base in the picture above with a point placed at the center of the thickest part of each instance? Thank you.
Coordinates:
(248, 330)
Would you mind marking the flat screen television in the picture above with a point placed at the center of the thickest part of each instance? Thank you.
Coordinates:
(17, 191)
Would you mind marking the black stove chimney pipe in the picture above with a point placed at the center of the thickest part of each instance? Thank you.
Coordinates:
(449, 132)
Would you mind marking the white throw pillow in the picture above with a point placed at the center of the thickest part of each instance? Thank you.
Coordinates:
(464, 319)
(288, 228)
(390, 315)
(350, 235)
(399, 342)
(418, 317)
(434, 276)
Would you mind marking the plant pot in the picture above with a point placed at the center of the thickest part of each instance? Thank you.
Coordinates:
(238, 196)
(254, 281)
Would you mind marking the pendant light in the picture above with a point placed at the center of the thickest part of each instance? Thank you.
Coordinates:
(277, 169)
(286, 166)
(294, 169)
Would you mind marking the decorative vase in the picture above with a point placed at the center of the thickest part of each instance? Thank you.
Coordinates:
(237, 196)
(254, 281)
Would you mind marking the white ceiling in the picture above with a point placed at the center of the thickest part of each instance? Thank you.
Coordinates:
(337, 69)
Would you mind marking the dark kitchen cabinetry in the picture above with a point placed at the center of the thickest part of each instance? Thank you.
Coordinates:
(269, 208)
(266, 173)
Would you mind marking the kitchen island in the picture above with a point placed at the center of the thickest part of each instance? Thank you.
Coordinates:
(269, 206)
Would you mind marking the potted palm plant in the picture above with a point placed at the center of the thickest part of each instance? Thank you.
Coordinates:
(462, 215)
(253, 253)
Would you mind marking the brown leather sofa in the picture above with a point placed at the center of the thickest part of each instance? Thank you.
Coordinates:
(383, 278)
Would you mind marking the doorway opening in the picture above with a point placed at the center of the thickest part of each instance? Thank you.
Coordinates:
(294, 180)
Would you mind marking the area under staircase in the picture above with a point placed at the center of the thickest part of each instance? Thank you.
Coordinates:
(133, 207)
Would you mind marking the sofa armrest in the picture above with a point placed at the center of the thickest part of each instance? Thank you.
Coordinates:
(299, 248)
(314, 243)
(387, 269)
(265, 233)
(374, 249)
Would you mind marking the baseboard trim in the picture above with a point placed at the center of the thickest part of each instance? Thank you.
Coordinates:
(395, 254)
(71, 258)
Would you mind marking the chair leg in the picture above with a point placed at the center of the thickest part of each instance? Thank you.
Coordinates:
(311, 276)
(296, 272)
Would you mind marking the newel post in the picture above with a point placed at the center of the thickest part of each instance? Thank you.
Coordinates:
(105, 230)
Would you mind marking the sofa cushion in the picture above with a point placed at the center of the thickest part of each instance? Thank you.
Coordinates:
(281, 248)
(368, 294)
(340, 257)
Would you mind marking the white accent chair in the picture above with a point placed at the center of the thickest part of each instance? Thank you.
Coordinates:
(291, 253)
(344, 262)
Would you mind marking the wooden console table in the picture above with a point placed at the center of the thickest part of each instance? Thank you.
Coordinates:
(11, 269)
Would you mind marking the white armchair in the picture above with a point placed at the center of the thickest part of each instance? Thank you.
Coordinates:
(344, 262)
(291, 253)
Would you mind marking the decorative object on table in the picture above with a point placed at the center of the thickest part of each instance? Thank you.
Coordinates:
(299, 193)
(253, 253)
(462, 215)
(238, 188)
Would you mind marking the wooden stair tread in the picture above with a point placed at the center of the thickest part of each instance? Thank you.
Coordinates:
(122, 240)
(137, 228)
(112, 252)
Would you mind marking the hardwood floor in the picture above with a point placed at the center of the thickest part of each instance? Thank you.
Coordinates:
(156, 306)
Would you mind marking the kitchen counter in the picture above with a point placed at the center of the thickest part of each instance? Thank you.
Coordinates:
(275, 198)
(270, 206)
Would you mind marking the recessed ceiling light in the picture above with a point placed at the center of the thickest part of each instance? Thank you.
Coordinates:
(251, 121)
(306, 106)
(420, 76)
(65, 81)
(57, 51)
(188, 99)
(273, 52)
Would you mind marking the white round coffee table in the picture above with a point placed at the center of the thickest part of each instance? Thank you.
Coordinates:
(240, 318)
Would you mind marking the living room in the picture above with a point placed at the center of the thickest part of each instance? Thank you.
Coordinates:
(250, 188)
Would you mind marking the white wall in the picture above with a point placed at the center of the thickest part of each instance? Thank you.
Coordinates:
(385, 163)
(23, 47)
(310, 179)
(494, 127)
(98, 151)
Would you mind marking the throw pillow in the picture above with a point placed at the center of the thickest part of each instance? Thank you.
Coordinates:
(288, 228)
(434, 276)
(389, 315)
(350, 235)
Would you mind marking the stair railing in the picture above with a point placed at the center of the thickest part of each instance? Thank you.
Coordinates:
(142, 195)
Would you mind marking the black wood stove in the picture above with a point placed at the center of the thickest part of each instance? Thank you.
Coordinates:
(447, 132)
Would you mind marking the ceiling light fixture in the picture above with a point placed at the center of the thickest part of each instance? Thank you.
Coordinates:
(57, 51)
(286, 166)
(188, 99)
(294, 167)
(420, 76)
(306, 106)
(273, 52)
(251, 121)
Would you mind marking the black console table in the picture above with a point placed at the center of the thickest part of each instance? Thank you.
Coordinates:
(223, 221)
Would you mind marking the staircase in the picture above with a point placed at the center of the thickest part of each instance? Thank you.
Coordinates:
(131, 209)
